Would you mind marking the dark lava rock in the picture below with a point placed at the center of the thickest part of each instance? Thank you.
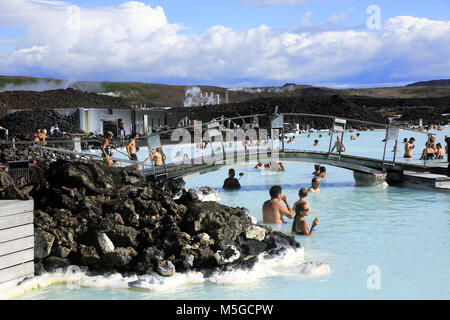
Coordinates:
(110, 218)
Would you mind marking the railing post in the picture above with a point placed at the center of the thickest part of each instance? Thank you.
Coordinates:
(342, 142)
(385, 143)
(395, 150)
(331, 140)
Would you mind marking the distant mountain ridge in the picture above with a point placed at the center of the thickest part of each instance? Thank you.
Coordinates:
(135, 93)
(431, 83)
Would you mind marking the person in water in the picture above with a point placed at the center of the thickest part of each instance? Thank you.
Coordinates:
(316, 143)
(157, 157)
(322, 172)
(259, 166)
(302, 194)
(231, 182)
(316, 169)
(273, 211)
(338, 145)
(131, 149)
(428, 152)
(276, 166)
(315, 185)
(440, 152)
(300, 226)
(409, 146)
(106, 148)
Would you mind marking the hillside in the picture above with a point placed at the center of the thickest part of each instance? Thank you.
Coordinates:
(175, 95)
(432, 83)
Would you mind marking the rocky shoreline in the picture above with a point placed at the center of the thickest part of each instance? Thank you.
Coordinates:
(112, 219)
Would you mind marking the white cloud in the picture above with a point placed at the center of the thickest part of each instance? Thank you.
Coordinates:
(270, 3)
(136, 42)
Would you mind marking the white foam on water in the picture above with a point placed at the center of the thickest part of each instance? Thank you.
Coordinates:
(207, 194)
(287, 264)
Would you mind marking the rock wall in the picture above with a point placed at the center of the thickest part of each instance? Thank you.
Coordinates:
(112, 219)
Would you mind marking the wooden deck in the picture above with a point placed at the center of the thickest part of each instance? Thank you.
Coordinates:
(16, 241)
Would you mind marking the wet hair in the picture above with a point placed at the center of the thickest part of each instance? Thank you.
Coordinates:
(303, 192)
(231, 172)
(317, 166)
(314, 179)
(316, 141)
(274, 191)
(323, 169)
(405, 140)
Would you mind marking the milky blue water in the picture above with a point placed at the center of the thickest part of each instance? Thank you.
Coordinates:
(380, 242)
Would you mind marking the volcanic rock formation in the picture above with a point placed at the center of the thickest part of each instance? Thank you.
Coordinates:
(112, 219)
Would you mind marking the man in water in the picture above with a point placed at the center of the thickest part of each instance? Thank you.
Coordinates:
(315, 185)
(338, 145)
(131, 149)
(409, 146)
(157, 157)
(231, 183)
(273, 211)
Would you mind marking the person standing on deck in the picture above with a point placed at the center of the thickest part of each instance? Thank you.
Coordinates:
(131, 149)
(106, 148)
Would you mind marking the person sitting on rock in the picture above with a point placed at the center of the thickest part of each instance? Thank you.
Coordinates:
(231, 183)
(36, 138)
(300, 226)
(273, 211)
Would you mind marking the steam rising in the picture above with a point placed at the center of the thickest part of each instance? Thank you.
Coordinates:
(40, 85)
(192, 97)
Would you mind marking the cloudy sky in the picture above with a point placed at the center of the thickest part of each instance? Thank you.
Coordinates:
(334, 43)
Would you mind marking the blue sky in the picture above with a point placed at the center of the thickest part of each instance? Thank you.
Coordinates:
(227, 43)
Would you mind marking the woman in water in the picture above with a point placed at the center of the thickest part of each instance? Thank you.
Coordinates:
(300, 226)
(429, 152)
(440, 152)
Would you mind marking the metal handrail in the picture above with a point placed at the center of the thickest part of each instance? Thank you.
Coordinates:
(90, 155)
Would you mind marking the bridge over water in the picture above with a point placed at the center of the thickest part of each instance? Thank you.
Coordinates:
(367, 170)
